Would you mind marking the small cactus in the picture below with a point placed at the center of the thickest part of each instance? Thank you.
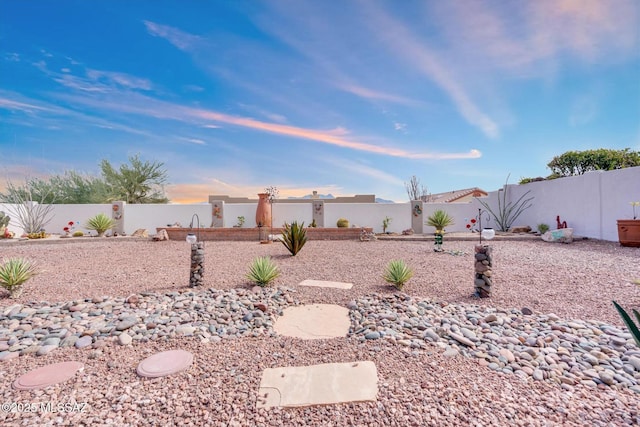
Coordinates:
(342, 222)
(4, 220)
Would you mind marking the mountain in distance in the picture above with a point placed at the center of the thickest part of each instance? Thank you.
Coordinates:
(331, 196)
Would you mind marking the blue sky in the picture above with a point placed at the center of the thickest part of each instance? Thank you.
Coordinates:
(344, 97)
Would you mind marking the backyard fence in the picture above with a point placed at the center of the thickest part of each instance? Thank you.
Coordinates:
(590, 203)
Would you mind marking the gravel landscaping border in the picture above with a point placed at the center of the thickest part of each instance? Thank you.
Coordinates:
(439, 352)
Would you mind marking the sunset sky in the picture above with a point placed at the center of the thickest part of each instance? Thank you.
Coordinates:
(343, 97)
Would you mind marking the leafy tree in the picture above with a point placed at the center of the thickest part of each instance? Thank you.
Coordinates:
(139, 182)
(415, 190)
(579, 162)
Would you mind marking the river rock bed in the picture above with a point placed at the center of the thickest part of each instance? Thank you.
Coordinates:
(541, 346)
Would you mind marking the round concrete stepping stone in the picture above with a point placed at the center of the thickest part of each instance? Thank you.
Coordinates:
(315, 321)
(165, 363)
(47, 375)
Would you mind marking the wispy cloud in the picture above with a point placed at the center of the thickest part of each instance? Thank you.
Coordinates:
(193, 140)
(377, 95)
(522, 38)
(136, 103)
(401, 42)
(180, 39)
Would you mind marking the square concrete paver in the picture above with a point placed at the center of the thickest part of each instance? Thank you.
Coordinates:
(326, 284)
(314, 321)
(318, 384)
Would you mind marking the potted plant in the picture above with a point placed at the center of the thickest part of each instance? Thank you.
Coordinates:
(439, 219)
(629, 229)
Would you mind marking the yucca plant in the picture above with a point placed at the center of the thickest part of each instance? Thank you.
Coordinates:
(633, 328)
(294, 237)
(100, 223)
(13, 273)
(440, 219)
(398, 273)
(262, 271)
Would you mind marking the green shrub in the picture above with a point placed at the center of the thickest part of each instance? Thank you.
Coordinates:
(262, 271)
(294, 237)
(78, 233)
(543, 228)
(342, 223)
(398, 273)
(13, 273)
(100, 223)
(440, 219)
(38, 235)
(629, 322)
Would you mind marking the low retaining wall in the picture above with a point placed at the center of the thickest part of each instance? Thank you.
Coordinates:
(252, 234)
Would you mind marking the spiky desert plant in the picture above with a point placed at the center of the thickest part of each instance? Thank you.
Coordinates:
(507, 212)
(397, 273)
(294, 237)
(440, 219)
(633, 328)
(100, 223)
(262, 271)
(13, 273)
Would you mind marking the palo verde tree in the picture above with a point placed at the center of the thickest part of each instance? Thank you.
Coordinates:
(138, 182)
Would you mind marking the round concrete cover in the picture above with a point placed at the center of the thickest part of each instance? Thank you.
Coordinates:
(165, 363)
(47, 375)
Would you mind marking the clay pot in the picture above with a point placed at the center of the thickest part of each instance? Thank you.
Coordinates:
(263, 212)
(629, 232)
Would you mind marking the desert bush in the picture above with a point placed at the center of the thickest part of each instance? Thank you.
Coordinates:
(397, 273)
(262, 271)
(506, 213)
(100, 223)
(342, 223)
(294, 237)
(14, 272)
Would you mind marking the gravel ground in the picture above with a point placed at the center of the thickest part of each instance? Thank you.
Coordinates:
(572, 281)
(416, 387)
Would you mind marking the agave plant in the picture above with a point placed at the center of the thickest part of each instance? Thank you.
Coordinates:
(100, 223)
(398, 273)
(633, 328)
(13, 273)
(440, 219)
(294, 237)
(262, 271)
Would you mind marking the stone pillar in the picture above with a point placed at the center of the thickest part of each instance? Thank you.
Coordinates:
(318, 212)
(417, 217)
(217, 213)
(117, 214)
(196, 276)
(483, 271)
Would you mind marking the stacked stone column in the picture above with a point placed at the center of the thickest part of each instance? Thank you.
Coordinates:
(196, 276)
(483, 271)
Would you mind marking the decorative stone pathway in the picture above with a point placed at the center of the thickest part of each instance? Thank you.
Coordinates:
(324, 384)
(47, 375)
(315, 321)
(326, 284)
(165, 363)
